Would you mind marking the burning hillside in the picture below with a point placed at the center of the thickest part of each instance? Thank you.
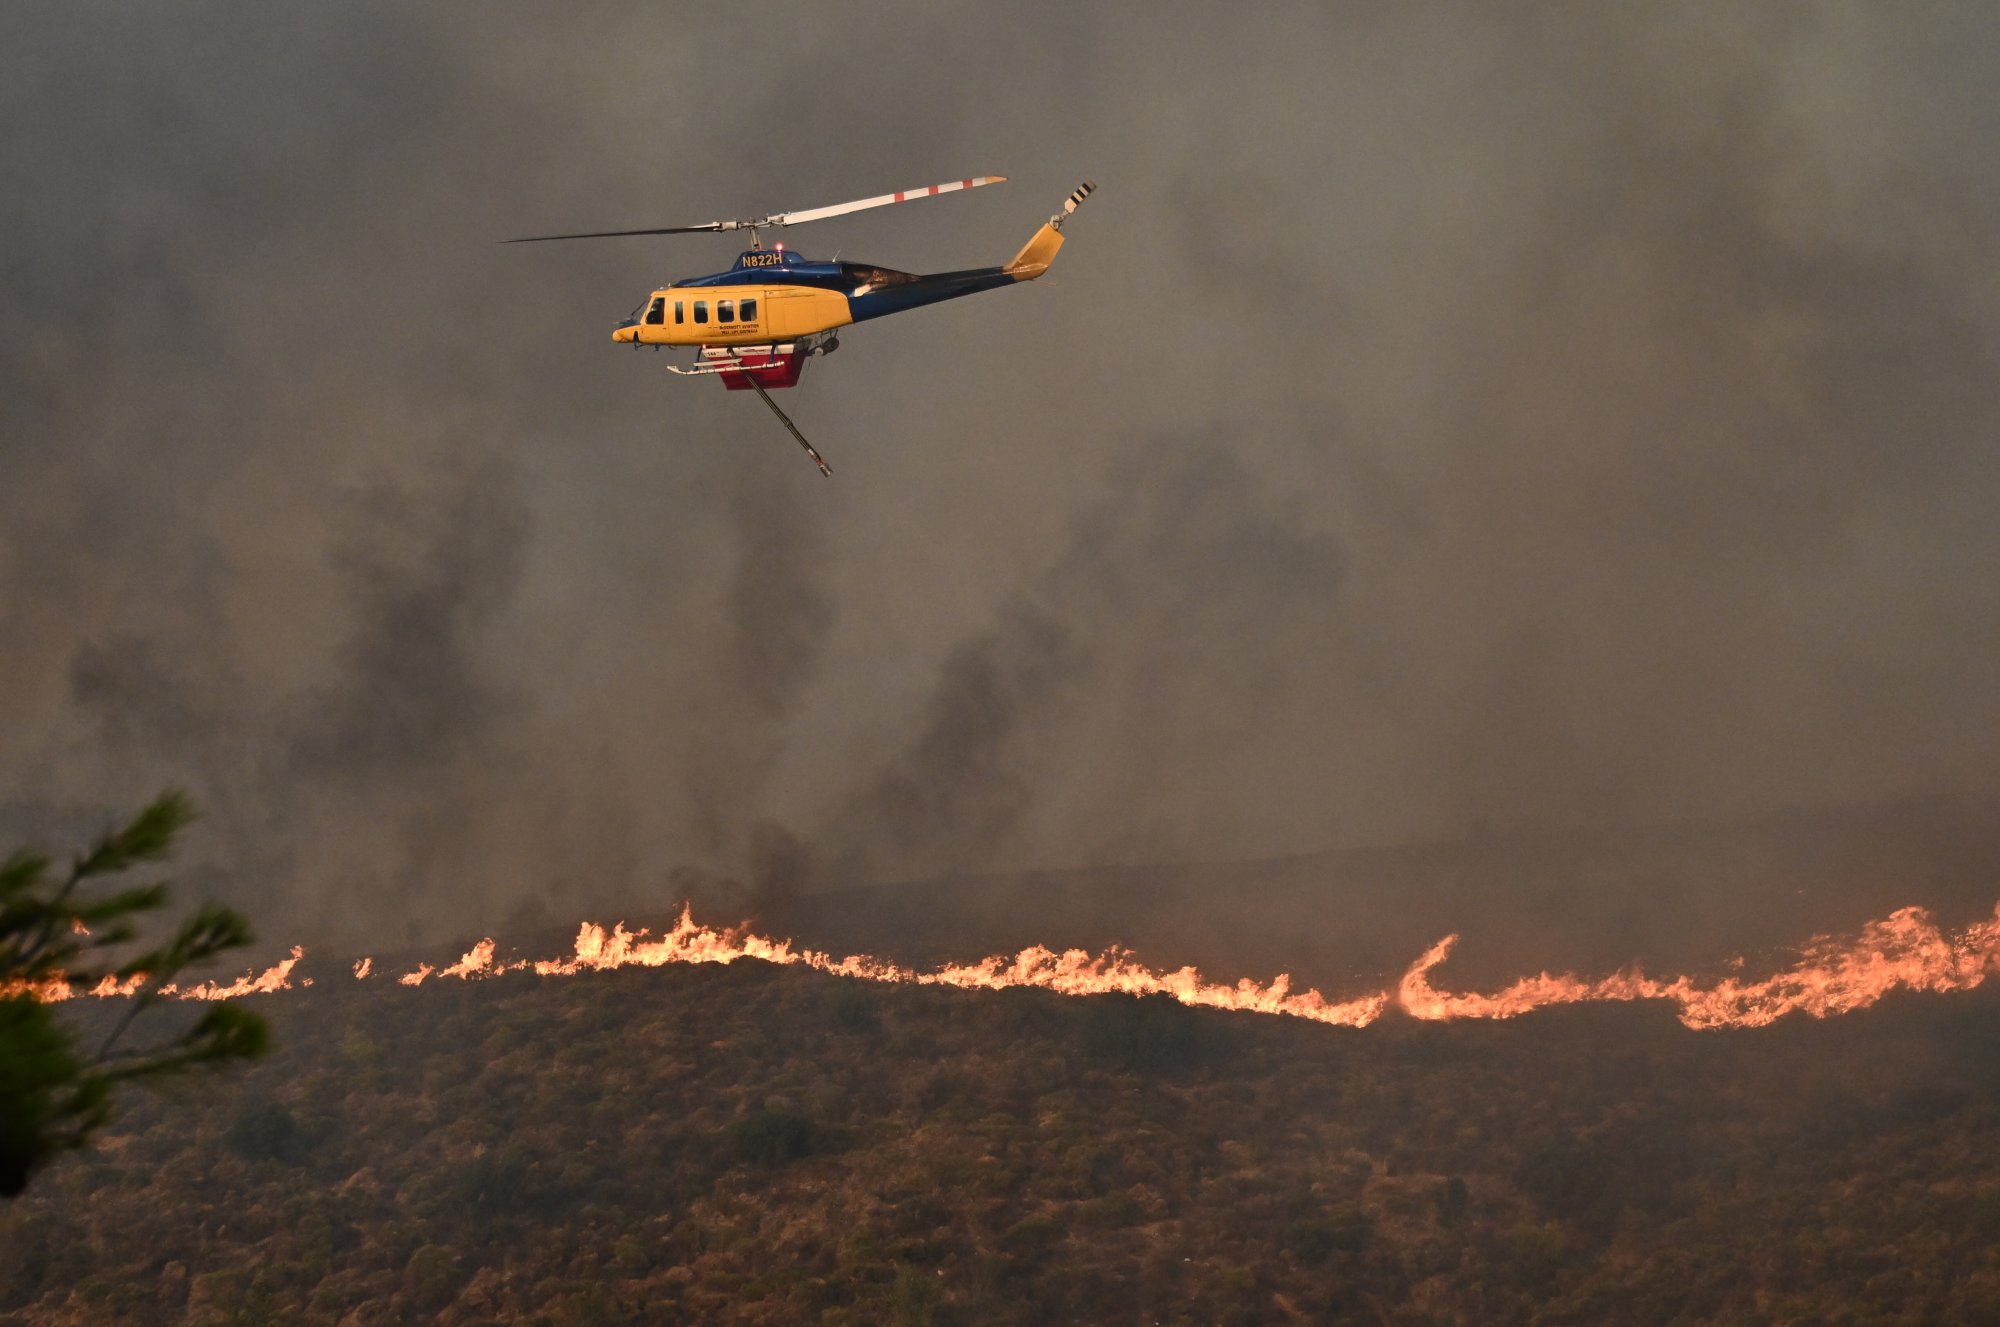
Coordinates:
(1904, 951)
(758, 1142)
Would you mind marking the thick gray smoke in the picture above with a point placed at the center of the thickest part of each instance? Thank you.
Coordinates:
(1149, 679)
(1446, 425)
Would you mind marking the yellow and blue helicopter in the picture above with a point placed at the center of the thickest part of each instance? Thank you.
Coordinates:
(757, 324)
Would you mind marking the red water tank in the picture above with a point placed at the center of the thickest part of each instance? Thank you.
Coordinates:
(780, 369)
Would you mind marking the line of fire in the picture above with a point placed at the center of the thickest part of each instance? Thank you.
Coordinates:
(1906, 950)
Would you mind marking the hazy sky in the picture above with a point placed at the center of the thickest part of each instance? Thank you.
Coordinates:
(1442, 416)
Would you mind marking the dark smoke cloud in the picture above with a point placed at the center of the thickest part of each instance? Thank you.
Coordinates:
(424, 573)
(1144, 680)
(1447, 425)
(778, 609)
(956, 786)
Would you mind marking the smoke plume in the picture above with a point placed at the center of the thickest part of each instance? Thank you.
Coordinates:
(1524, 434)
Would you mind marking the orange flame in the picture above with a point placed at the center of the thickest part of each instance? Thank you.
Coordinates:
(1905, 950)
(109, 985)
(277, 977)
(1073, 972)
(48, 990)
(57, 987)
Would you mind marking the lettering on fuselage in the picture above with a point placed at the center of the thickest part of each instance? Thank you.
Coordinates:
(760, 260)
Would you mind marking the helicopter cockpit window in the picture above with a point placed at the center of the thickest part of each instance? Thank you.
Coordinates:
(701, 310)
(725, 311)
(656, 312)
(680, 311)
(750, 310)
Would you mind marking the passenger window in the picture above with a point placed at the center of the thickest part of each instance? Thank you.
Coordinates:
(680, 312)
(701, 310)
(725, 311)
(656, 313)
(749, 310)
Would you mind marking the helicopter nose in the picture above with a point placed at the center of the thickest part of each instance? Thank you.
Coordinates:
(626, 331)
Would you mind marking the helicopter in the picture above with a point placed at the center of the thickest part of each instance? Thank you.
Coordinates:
(755, 325)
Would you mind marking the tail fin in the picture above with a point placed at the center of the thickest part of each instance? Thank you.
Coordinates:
(1039, 252)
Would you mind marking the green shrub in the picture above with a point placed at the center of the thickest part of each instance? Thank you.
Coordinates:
(266, 1131)
(772, 1137)
(914, 1297)
(1032, 1233)
(1452, 1200)
(431, 1278)
(1151, 1033)
(853, 1007)
(1539, 1252)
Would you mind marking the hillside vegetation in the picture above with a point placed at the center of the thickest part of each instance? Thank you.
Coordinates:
(756, 1145)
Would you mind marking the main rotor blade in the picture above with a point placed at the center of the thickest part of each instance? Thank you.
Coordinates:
(782, 218)
(900, 196)
(613, 234)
